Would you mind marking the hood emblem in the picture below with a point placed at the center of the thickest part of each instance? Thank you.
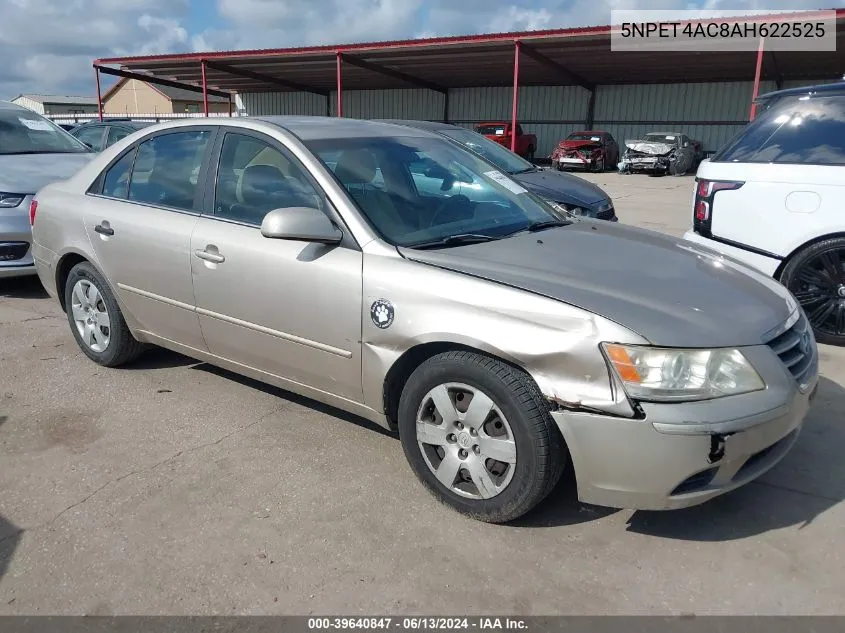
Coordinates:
(381, 312)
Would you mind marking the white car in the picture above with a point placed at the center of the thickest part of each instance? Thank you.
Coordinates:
(774, 198)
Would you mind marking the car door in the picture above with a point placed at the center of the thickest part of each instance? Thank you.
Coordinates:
(91, 135)
(139, 218)
(286, 307)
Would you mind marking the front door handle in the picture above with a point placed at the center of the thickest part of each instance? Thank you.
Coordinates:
(209, 256)
(104, 229)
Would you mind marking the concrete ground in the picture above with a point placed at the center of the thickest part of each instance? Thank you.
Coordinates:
(171, 487)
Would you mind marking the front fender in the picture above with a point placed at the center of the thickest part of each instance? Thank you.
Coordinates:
(557, 344)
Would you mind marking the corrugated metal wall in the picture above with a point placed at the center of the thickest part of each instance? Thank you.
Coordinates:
(709, 112)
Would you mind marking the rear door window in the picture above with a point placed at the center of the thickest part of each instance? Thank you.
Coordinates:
(167, 169)
(93, 136)
(795, 130)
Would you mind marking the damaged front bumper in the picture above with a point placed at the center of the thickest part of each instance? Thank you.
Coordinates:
(676, 455)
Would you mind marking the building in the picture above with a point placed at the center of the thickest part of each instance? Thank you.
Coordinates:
(131, 96)
(553, 82)
(57, 104)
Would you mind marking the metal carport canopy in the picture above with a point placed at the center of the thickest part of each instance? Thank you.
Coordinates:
(576, 56)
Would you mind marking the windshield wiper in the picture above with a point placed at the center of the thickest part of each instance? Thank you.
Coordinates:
(455, 240)
(524, 171)
(540, 225)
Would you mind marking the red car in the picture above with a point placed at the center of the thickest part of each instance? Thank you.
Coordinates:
(592, 150)
(500, 132)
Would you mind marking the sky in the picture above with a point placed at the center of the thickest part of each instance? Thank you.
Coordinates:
(47, 46)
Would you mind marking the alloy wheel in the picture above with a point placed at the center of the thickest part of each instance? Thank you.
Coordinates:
(90, 315)
(819, 286)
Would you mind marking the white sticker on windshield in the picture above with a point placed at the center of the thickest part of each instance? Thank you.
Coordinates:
(35, 124)
(506, 182)
(670, 138)
(500, 132)
(595, 138)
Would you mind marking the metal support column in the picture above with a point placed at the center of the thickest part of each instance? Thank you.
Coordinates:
(204, 89)
(757, 79)
(515, 105)
(99, 95)
(339, 84)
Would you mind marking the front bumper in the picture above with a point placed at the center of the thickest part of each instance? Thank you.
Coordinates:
(684, 454)
(15, 241)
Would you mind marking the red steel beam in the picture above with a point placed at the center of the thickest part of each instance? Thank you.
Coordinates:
(757, 79)
(515, 105)
(99, 95)
(204, 89)
(339, 57)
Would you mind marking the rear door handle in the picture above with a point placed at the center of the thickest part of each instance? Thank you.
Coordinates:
(216, 258)
(104, 229)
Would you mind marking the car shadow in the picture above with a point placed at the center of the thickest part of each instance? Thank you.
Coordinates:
(809, 481)
(28, 287)
(160, 358)
(10, 536)
(295, 398)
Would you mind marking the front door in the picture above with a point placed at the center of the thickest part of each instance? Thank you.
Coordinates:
(289, 308)
(140, 220)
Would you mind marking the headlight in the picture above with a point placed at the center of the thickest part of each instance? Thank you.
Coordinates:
(9, 200)
(663, 374)
(565, 209)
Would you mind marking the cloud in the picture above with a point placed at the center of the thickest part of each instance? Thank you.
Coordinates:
(48, 45)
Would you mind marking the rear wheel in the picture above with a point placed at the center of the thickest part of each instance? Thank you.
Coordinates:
(478, 434)
(816, 276)
(95, 318)
(530, 154)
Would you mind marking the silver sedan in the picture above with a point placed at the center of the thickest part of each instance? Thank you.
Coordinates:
(499, 338)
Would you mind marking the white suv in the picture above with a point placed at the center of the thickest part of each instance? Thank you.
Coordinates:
(774, 197)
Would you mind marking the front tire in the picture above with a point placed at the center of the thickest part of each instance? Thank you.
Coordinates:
(816, 276)
(478, 435)
(95, 318)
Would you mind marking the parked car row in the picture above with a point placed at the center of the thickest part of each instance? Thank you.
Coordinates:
(399, 272)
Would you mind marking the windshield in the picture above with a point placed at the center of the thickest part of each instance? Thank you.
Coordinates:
(584, 136)
(661, 138)
(417, 190)
(501, 157)
(24, 132)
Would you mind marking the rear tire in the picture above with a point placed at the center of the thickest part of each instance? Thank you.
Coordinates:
(815, 275)
(95, 319)
(529, 155)
(511, 422)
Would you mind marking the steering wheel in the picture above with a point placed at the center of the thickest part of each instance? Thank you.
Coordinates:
(452, 204)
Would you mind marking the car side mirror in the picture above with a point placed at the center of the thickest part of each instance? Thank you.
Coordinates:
(302, 224)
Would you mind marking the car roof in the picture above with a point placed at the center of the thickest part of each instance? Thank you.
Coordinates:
(832, 88)
(321, 127)
(431, 126)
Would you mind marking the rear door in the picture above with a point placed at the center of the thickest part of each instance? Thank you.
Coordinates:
(139, 218)
(791, 161)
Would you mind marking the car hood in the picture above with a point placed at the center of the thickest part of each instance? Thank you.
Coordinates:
(562, 187)
(670, 291)
(647, 147)
(27, 173)
(578, 144)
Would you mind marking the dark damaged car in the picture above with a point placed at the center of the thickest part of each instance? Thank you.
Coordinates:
(567, 193)
(590, 150)
(661, 153)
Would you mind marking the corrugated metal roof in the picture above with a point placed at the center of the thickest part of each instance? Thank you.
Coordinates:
(61, 99)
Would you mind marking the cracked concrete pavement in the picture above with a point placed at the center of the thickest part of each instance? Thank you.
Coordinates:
(172, 487)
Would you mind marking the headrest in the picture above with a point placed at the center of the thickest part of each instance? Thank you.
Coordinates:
(258, 181)
(356, 167)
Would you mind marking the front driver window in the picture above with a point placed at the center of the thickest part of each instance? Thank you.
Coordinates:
(254, 178)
